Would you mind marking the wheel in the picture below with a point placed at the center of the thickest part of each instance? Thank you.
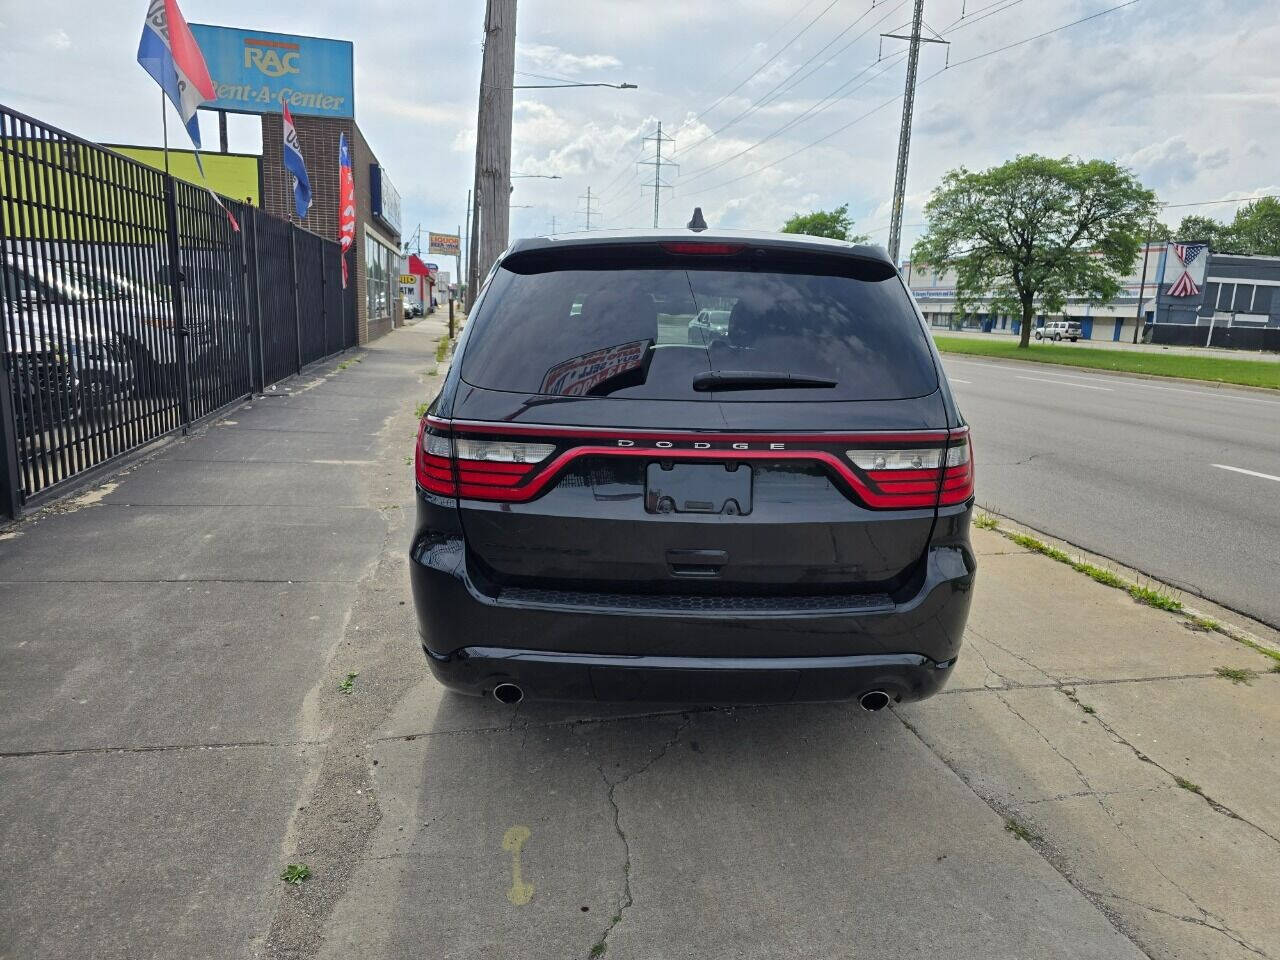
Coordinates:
(1039, 335)
(1073, 339)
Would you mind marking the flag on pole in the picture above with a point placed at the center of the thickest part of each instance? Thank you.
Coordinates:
(293, 162)
(171, 55)
(346, 203)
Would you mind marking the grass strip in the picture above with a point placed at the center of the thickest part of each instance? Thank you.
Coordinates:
(1139, 592)
(1247, 373)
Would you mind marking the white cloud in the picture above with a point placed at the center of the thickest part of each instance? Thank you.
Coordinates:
(59, 40)
(546, 57)
(1173, 161)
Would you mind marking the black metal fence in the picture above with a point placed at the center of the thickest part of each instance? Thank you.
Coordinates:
(133, 308)
(1219, 335)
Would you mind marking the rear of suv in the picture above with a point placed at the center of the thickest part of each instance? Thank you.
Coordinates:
(608, 508)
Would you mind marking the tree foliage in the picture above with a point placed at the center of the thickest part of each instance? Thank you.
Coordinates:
(1036, 230)
(1255, 230)
(836, 224)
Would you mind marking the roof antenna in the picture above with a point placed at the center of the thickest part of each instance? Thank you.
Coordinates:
(697, 224)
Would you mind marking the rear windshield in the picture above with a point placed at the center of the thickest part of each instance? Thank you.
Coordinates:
(647, 329)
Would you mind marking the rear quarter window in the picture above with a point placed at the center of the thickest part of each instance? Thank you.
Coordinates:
(640, 323)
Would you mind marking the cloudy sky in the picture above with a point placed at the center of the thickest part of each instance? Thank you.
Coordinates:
(776, 106)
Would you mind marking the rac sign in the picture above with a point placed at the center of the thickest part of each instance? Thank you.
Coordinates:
(271, 57)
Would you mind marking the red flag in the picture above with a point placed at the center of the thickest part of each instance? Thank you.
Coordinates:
(346, 204)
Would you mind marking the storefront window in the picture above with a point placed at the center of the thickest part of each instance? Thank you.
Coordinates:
(381, 278)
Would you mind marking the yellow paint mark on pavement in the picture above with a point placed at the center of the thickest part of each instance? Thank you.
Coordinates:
(513, 840)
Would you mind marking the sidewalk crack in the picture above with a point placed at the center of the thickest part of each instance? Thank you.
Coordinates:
(626, 900)
(1224, 930)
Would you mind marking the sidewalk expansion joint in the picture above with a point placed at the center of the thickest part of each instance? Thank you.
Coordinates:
(158, 748)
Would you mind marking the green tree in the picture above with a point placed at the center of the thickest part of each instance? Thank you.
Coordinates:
(836, 224)
(1036, 230)
(1199, 229)
(1255, 229)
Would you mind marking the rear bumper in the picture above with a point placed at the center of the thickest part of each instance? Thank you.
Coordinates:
(544, 675)
(579, 647)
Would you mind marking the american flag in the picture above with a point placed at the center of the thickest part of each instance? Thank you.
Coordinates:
(1187, 254)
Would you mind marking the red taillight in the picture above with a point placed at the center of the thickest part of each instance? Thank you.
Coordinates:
(957, 477)
(704, 249)
(433, 461)
(916, 477)
(477, 469)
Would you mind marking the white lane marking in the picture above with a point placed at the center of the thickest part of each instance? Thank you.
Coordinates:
(1065, 383)
(1252, 473)
(958, 380)
(1213, 394)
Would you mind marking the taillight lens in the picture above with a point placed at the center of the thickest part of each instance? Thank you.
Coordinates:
(911, 476)
(433, 461)
(480, 469)
(957, 476)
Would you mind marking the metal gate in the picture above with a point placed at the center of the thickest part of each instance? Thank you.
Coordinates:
(132, 306)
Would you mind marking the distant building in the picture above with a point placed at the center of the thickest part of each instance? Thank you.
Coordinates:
(1237, 305)
(936, 293)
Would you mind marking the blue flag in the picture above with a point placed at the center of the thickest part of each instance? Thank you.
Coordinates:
(294, 164)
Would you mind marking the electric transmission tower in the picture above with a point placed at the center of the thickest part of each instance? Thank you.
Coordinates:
(904, 136)
(657, 183)
(588, 211)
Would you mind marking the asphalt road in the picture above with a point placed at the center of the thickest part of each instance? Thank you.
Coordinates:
(1179, 481)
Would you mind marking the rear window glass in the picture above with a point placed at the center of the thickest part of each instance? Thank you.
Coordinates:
(647, 331)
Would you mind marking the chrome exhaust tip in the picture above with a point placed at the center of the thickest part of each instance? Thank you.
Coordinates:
(508, 693)
(873, 700)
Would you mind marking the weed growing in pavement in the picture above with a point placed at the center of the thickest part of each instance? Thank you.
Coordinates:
(420, 410)
(1020, 830)
(296, 874)
(434, 371)
(1087, 709)
(1154, 598)
(985, 521)
(1236, 674)
(1204, 624)
(1275, 667)
(442, 349)
(598, 949)
(1188, 785)
(346, 685)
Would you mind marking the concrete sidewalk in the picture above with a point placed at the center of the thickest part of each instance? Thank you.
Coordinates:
(174, 734)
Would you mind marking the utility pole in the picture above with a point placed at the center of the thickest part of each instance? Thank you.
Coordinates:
(588, 212)
(493, 138)
(1138, 320)
(553, 224)
(904, 135)
(657, 183)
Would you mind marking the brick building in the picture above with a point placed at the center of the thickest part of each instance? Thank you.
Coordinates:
(375, 259)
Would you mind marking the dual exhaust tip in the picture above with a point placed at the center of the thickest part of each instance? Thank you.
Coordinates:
(508, 693)
(511, 694)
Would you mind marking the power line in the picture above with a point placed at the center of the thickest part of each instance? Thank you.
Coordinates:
(1205, 203)
(830, 99)
(769, 96)
(877, 109)
(751, 76)
(822, 105)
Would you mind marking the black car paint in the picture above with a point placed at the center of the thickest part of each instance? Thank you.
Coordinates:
(523, 615)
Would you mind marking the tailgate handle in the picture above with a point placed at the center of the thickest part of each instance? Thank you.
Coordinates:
(697, 563)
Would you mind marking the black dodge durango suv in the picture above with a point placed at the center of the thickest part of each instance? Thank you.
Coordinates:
(610, 509)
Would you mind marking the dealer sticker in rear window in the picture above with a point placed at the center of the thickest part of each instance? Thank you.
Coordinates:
(579, 376)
